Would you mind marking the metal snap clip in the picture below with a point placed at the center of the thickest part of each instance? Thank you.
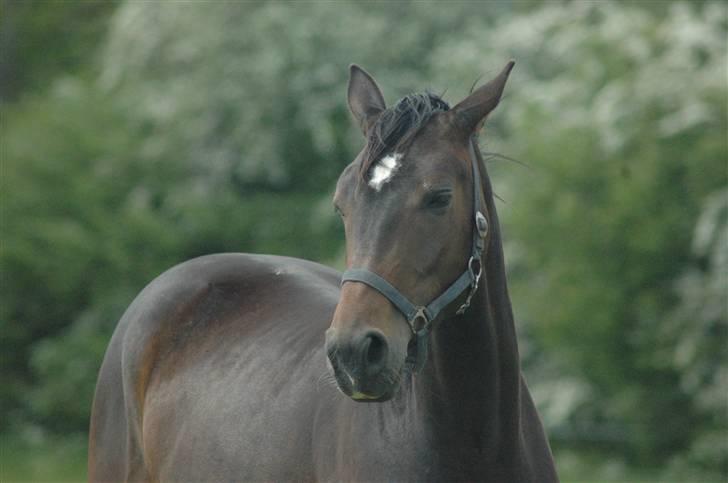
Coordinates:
(481, 223)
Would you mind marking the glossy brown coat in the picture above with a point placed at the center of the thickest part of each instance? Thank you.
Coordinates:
(218, 372)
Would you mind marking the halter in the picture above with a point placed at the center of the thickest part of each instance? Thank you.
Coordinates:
(420, 317)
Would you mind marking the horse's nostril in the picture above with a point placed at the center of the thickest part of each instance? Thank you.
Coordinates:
(374, 349)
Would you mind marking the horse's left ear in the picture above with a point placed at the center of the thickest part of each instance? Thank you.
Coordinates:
(472, 111)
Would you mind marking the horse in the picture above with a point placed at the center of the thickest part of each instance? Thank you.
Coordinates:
(243, 367)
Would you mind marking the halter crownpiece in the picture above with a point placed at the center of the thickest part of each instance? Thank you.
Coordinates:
(419, 317)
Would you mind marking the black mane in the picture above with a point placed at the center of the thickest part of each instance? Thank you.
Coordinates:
(397, 125)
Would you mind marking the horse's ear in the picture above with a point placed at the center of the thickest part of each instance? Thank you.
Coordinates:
(472, 111)
(365, 99)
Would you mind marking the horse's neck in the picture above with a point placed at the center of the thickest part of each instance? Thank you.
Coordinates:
(471, 385)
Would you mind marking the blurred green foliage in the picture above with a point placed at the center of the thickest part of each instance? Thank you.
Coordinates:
(42, 39)
(159, 131)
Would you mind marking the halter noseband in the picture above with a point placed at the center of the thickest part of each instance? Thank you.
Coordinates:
(420, 317)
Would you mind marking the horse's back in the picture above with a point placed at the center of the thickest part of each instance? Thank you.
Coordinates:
(202, 362)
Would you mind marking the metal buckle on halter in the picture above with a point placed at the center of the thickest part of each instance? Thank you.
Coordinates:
(475, 279)
(481, 223)
(417, 347)
(420, 314)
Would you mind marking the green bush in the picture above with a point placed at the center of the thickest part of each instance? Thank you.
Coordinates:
(223, 127)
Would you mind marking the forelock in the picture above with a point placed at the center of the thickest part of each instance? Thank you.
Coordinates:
(398, 125)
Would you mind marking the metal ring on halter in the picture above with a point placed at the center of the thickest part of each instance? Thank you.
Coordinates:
(420, 314)
(475, 276)
(475, 279)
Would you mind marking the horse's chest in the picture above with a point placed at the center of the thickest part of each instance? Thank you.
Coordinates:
(363, 449)
(359, 446)
(410, 461)
(370, 460)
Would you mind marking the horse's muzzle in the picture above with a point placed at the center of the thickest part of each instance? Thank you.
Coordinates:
(359, 363)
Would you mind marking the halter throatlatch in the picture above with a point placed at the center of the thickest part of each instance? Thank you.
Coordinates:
(420, 318)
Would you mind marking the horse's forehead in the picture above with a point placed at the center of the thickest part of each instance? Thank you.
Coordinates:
(431, 145)
(425, 156)
(432, 150)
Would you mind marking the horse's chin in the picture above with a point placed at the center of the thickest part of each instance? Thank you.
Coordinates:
(369, 398)
(371, 391)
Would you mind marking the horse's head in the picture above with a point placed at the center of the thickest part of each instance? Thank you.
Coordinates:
(409, 203)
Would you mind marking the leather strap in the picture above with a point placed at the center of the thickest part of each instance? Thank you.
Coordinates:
(408, 309)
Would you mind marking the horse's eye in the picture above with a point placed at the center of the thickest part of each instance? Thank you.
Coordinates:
(438, 200)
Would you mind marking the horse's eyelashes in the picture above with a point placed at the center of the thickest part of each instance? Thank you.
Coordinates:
(438, 199)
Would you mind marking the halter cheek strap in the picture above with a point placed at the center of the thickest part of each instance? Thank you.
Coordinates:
(419, 317)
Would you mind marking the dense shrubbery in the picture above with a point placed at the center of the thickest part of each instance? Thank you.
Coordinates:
(222, 127)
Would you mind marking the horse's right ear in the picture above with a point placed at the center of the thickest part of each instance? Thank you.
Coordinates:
(365, 99)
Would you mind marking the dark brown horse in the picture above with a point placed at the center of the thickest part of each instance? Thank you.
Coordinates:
(223, 369)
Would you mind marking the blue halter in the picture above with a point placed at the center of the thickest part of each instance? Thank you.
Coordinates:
(420, 317)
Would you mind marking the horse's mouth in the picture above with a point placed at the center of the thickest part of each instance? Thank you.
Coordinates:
(360, 396)
(365, 397)
(377, 390)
